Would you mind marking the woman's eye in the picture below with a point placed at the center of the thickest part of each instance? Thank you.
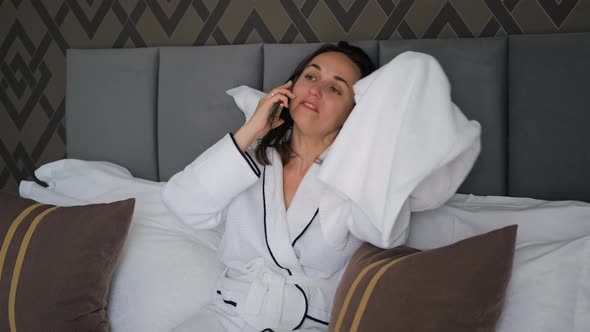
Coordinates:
(309, 77)
(335, 90)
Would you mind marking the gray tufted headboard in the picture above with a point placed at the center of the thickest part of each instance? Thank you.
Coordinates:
(154, 110)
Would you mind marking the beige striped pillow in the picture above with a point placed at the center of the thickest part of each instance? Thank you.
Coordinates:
(56, 263)
(460, 287)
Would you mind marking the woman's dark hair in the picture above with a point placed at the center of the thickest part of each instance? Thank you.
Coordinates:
(280, 137)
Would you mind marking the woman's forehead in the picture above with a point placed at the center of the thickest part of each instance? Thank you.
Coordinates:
(336, 64)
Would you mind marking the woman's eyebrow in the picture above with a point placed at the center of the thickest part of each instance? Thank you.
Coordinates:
(337, 78)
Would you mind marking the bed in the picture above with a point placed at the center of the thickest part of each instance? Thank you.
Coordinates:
(151, 111)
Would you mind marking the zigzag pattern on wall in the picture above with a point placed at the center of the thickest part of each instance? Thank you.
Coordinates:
(36, 34)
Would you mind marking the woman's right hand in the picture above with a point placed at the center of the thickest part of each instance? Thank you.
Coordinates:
(259, 125)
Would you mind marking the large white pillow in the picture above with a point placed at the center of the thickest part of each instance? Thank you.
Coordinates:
(166, 272)
(550, 285)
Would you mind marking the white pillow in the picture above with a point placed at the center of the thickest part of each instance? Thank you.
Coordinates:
(166, 272)
(550, 285)
(246, 98)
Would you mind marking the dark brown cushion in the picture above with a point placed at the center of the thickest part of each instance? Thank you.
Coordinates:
(56, 263)
(460, 287)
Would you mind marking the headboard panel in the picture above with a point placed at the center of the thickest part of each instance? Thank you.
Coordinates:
(194, 110)
(477, 71)
(549, 135)
(111, 103)
(534, 138)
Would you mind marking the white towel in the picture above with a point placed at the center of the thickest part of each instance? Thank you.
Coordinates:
(405, 147)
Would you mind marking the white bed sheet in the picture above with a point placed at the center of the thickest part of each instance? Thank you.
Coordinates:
(167, 271)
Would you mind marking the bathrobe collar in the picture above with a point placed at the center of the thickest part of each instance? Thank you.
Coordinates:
(284, 228)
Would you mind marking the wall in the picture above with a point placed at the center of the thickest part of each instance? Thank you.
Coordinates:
(35, 34)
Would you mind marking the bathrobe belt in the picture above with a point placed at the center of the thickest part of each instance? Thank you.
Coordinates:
(263, 286)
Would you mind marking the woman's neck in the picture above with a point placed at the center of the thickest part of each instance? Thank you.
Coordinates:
(307, 150)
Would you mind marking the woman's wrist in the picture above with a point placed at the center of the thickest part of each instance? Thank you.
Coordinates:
(245, 136)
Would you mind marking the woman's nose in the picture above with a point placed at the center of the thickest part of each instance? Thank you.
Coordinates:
(315, 90)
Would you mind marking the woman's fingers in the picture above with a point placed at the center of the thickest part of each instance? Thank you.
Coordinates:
(284, 100)
(283, 89)
(277, 97)
(280, 92)
(286, 85)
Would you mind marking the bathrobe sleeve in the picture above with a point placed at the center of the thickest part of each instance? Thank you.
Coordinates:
(198, 194)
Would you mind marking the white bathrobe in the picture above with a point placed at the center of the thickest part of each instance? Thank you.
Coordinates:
(405, 147)
(281, 273)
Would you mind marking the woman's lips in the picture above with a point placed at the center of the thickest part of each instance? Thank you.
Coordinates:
(310, 106)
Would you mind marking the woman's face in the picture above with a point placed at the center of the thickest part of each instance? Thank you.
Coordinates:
(324, 95)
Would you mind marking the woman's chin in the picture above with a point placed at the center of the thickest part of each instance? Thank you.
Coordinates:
(305, 122)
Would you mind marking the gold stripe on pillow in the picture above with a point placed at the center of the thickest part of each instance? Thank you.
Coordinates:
(11, 231)
(19, 264)
(365, 299)
(351, 291)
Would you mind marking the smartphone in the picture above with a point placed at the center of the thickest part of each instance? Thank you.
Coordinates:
(275, 114)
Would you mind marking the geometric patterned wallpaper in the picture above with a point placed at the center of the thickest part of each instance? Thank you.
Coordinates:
(35, 34)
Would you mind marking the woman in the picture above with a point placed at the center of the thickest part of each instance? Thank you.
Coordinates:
(281, 275)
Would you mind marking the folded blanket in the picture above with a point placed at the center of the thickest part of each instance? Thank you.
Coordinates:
(405, 147)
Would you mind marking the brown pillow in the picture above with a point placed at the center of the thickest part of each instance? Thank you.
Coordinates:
(460, 287)
(56, 263)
